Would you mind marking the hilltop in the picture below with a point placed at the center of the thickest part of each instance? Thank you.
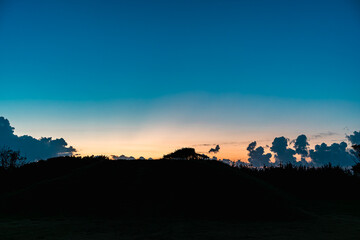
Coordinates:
(162, 188)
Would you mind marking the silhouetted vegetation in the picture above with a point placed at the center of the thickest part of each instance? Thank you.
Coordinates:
(183, 191)
(10, 159)
(356, 167)
(97, 185)
(185, 154)
(327, 183)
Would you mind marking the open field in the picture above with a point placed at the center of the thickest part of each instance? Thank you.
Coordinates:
(323, 227)
(74, 198)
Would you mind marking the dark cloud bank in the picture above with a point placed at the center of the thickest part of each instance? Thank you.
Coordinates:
(354, 139)
(32, 148)
(257, 156)
(283, 154)
(336, 154)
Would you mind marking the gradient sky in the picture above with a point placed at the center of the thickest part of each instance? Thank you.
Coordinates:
(147, 77)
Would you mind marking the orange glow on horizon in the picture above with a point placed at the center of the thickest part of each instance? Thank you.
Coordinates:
(233, 153)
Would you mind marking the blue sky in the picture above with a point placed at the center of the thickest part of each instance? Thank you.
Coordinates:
(85, 69)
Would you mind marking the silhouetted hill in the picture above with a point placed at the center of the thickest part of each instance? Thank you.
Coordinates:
(161, 188)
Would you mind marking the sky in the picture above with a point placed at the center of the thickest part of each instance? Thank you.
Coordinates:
(143, 78)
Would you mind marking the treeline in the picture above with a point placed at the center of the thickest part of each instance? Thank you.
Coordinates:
(326, 183)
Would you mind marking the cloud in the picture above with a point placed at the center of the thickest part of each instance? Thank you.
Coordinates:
(240, 163)
(202, 145)
(222, 143)
(354, 138)
(301, 147)
(336, 154)
(32, 148)
(257, 158)
(226, 161)
(283, 154)
(326, 134)
(122, 157)
(215, 150)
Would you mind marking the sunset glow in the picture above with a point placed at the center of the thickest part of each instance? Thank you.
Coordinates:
(150, 82)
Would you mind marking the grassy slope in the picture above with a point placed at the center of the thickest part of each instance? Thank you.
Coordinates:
(98, 199)
(146, 188)
(324, 227)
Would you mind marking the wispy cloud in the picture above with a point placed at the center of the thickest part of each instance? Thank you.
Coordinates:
(325, 134)
(240, 143)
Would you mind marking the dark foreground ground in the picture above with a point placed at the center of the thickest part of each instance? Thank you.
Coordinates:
(70, 198)
(323, 227)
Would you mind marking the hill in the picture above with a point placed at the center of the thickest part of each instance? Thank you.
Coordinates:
(163, 188)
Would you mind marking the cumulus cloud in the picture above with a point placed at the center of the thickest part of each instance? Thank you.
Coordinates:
(336, 154)
(283, 154)
(354, 138)
(215, 150)
(257, 158)
(32, 148)
(301, 146)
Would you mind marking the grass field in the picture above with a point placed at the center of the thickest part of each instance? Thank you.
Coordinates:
(61, 228)
(102, 199)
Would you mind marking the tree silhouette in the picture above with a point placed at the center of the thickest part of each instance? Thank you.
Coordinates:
(185, 154)
(356, 167)
(10, 159)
